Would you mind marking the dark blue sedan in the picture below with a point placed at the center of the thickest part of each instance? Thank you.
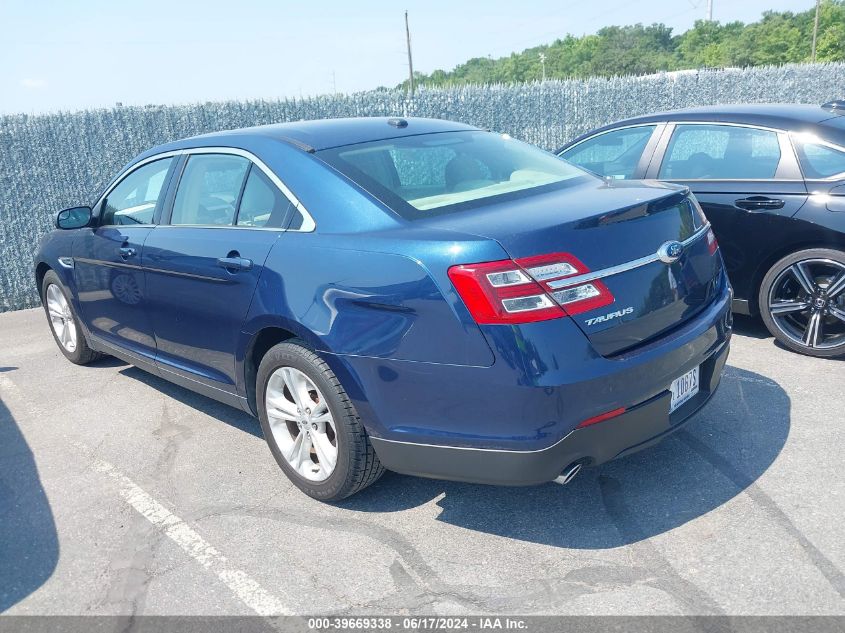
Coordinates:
(415, 295)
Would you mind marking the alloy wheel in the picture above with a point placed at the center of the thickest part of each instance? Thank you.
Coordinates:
(301, 423)
(61, 318)
(807, 303)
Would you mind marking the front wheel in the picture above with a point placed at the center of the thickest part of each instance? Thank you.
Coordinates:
(802, 302)
(311, 426)
(64, 323)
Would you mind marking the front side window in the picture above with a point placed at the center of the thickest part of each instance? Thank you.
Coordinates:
(133, 201)
(720, 152)
(613, 154)
(262, 204)
(432, 174)
(209, 190)
(819, 160)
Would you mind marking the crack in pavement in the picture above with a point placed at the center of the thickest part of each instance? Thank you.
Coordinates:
(742, 481)
(687, 593)
(417, 585)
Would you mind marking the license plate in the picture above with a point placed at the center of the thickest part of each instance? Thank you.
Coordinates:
(683, 388)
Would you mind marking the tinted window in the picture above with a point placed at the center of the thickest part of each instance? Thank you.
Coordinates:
(134, 199)
(431, 174)
(262, 204)
(613, 154)
(209, 190)
(720, 152)
(819, 161)
(427, 168)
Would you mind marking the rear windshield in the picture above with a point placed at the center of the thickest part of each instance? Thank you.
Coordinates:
(431, 174)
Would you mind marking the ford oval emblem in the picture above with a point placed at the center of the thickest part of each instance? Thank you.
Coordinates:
(670, 252)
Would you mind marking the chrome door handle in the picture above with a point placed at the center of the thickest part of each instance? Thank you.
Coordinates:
(127, 251)
(759, 203)
(234, 264)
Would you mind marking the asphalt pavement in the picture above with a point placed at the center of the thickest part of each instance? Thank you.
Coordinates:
(121, 493)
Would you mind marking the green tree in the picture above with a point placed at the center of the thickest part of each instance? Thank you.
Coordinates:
(708, 45)
(777, 38)
(830, 46)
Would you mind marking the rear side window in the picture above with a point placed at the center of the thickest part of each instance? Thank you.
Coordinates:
(209, 190)
(720, 152)
(262, 204)
(133, 201)
(819, 160)
(613, 154)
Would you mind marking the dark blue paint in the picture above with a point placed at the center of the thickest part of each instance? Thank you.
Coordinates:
(547, 378)
(111, 289)
(197, 307)
(370, 292)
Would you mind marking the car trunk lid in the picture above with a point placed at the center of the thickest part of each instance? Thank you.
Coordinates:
(615, 230)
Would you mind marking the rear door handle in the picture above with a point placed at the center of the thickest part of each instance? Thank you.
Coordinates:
(127, 251)
(234, 264)
(759, 203)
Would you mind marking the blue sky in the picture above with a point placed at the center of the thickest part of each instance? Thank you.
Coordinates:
(89, 53)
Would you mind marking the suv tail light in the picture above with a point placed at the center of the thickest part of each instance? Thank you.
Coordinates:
(518, 291)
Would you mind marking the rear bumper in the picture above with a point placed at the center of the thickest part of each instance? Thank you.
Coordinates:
(641, 426)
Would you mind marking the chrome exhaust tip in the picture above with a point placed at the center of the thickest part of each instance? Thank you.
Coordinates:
(568, 473)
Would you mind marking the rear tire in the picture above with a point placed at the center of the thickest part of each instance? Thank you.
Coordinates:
(64, 322)
(311, 426)
(802, 302)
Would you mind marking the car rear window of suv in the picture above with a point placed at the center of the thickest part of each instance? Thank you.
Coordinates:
(432, 174)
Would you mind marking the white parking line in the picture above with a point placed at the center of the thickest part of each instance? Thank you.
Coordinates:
(248, 590)
(7, 386)
(239, 582)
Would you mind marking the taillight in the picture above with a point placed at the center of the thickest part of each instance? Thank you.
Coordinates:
(501, 292)
(519, 291)
(712, 244)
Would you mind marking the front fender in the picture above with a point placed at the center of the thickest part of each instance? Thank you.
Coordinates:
(50, 248)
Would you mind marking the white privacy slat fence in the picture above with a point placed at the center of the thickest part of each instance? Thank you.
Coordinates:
(51, 161)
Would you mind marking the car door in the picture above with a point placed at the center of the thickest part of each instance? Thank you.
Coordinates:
(748, 183)
(203, 264)
(621, 153)
(107, 259)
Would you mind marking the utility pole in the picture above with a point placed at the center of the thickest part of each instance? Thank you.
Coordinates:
(410, 59)
(709, 10)
(816, 29)
(543, 63)
(334, 83)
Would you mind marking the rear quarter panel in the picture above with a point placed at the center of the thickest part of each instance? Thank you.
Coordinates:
(350, 295)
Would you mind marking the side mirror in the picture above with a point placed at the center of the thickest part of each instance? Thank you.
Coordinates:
(74, 218)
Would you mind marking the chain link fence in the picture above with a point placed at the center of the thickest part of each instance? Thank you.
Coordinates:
(52, 161)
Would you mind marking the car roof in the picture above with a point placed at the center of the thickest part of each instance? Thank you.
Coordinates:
(777, 115)
(782, 116)
(327, 133)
